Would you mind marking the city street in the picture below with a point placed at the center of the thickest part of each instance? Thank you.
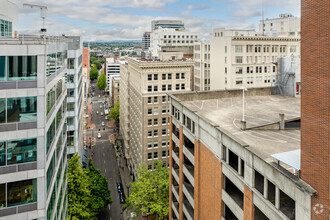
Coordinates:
(103, 153)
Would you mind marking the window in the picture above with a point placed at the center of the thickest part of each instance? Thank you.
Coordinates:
(163, 99)
(149, 122)
(169, 87)
(155, 154)
(164, 143)
(149, 145)
(149, 100)
(163, 87)
(6, 28)
(274, 70)
(21, 109)
(164, 110)
(182, 76)
(2, 110)
(21, 151)
(177, 75)
(155, 144)
(149, 111)
(21, 192)
(156, 111)
(182, 86)
(163, 121)
(149, 156)
(169, 76)
(149, 133)
(239, 59)
(149, 77)
(163, 132)
(155, 121)
(155, 76)
(164, 153)
(239, 81)
(155, 88)
(21, 68)
(149, 88)
(292, 49)
(177, 86)
(239, 70)
(2, 68)
(249, 48)
(156, 133)
(70, 63)
(225, 69)
(164, 76)
(155, 99)
(238, 48)
(225, 49)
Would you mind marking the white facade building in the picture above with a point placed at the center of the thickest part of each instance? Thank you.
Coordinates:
(202, 66)
(8, 18)
(170, 38)
(172, 24)
(240, 58)
(286, 25)
(112, 68)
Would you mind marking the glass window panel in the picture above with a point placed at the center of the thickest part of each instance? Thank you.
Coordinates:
(51, 99)
(59, 60)
(22, 67)
(50, 135)
(21, 192)
(22, 109)
(50, 171)
(2, 154)
(2, 68)
(2, 195)
(21, 151)
(2, 110)
(51, 64)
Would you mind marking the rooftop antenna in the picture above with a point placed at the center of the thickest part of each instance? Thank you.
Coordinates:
(43, 12)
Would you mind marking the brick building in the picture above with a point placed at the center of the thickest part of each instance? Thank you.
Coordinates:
(315, 99)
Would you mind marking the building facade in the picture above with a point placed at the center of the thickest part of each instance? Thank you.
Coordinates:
(112, 68)
(222, 168)
(172, 24)
(315, 99)
(146, 41)
(144, 86)
(286, 25)
(8, 18)
(115, 89)
(202, 66)
(240, 58)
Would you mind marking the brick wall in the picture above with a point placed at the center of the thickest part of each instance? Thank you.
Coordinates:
(208, 184)
(85, 57)
(315, 102)
(248, 204)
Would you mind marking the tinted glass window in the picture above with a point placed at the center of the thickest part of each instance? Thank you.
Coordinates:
(22, 109)
(22, 67)
(2, 68)
(21, 151)
(21, 192)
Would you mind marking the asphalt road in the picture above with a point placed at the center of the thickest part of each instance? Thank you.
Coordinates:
(104, 157)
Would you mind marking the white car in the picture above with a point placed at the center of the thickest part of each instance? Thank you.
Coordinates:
(102, 123)
(99, 135)
(101, 106)
(106, 118)
(101, 113)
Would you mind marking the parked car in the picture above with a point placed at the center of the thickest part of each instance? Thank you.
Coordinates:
(102, 123)
(106, 118)
(97, 112)
(120, 187)
(122, 198)
(101, 113)
(93, 94)
(86, 116)
(99, 135)
(101, 106)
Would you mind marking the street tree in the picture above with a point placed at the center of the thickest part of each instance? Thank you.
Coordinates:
(98, 65)
(93, 74)
(79, 193)
(114, 112)
(100, 193)
(134, 53)
(149, 194)
(93, 60)
(101, 83)
(123, 54)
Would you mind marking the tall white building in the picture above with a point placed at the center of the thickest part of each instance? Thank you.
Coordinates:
(172, 24)
(165, 37)
(8, 18)
(112, 68)
(240, 58)
(286, 25)
(202, 66)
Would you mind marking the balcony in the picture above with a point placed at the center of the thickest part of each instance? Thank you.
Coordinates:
(175, 156)
(175, 172)
(188, 152)
(188, 191)
(175, 190)
(175, 208)
(176, 131)
(187, 208)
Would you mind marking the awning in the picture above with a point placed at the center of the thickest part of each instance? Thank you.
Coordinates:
(290, 158)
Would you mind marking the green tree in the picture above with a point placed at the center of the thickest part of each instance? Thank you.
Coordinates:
(134, 53)
(93, 74)
(79, 193)
(99, 188)
(149, 193)
(98, 65)
(114, 112)
(101, 83)
(123, 54)
(93, 60)
(101, 60)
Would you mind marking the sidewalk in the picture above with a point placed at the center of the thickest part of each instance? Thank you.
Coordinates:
(90, 125)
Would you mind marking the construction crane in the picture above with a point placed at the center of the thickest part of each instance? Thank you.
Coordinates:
(43, 12)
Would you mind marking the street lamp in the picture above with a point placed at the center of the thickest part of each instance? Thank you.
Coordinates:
(243, 89)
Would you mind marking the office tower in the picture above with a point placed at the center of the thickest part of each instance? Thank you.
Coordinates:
(286, 25)
(172, 24)
(146, 41)
(202, 66)
(144, 86)
(315, 99)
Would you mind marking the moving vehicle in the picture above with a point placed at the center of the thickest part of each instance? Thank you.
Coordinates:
(99, 135)
(102, 123)
(120, 187)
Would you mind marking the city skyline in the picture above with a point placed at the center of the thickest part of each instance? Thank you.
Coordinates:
(128, 20)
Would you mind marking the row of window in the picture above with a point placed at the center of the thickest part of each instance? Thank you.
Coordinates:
(249, 80)
(155, 110)
(168, 87)
(18, 109)
(18, 151)
(168, 75)
(257, 59)
(179, 42)
(265, 48)
(155, 99)
(154, 133)
(13, 68)
(151, 145)
(18, 193)
(55, 61)
(154, 122)
(180, 36)
(54, 94)
(6, 28)
(258, 69)
(155, 154)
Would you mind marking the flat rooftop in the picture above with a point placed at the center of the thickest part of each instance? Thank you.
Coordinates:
(262, 135)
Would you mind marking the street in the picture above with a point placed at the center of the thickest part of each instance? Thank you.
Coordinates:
(103, 153)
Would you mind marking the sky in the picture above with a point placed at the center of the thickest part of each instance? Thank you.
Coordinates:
(108, 20)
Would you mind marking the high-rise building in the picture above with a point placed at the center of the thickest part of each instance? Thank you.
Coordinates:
(172, 24)
(146, 41)
(112, 68)
(240, 58)
(234, 164)
(202, 66)
(286, 25)
(8, 18)
(315, 107)
(115, 85)
(144, 86)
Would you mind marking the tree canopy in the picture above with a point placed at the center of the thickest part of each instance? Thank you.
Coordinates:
(93, 74)
(88, 192)
(102, 82)
(149, 194)
(114, 112)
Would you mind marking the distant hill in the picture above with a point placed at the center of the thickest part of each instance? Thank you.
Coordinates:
(115, 42)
